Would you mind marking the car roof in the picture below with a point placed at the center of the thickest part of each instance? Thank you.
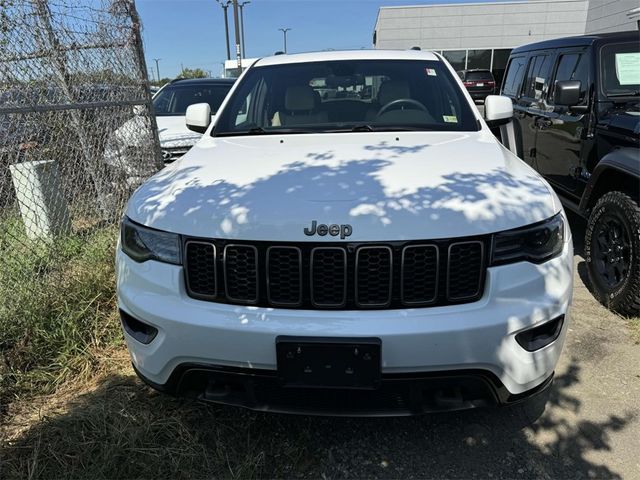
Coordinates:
(582, 40)
(346, 55)
(200, 81)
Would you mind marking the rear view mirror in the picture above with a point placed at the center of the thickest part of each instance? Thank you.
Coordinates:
(198, 117)
(498, 110)
(567, 92)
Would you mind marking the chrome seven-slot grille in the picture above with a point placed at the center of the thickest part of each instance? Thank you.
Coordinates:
(336, 275)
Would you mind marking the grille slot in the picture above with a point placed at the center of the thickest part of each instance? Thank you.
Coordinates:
(329, 277)
(241, 273)
(465, 269)
(374, 272)
(200, 265)
(336, 275)
(284, 276)
(419, 274)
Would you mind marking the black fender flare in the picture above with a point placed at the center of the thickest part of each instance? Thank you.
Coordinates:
(625, 160)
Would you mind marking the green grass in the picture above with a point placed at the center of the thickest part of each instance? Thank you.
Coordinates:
(57, 307)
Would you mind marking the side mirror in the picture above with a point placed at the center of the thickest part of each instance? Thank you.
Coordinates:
(567, 93)
(498, 110)
(198, 117)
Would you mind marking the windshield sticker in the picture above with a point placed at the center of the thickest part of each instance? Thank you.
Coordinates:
(450, 118)
(628, 68)
(431, 72)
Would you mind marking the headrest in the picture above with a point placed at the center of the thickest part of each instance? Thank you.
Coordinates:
(393, 90)
(299, 97)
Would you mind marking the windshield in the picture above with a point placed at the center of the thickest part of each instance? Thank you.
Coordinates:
(174, 99)
(347, 95)
(620, 67)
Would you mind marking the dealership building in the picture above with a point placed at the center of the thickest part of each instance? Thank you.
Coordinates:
(481, 35)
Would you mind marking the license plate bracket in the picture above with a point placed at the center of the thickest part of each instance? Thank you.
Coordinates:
(328, 362)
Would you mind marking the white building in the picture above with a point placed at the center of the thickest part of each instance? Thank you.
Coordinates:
(481, 35)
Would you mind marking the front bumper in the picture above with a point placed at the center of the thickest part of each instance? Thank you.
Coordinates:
(449, 340)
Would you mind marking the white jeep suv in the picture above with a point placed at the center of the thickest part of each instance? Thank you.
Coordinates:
(348, 238)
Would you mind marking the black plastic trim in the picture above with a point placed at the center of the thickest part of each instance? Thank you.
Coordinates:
(248, 382)
(311, 271)
(137, 329)
(357, 273)
(242, 301)
(269, 298)
(437, 276)
(196, 295)
(539, 336)
(482, 271)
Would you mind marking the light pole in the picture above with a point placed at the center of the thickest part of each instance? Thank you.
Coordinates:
(225, 6)
(284, 32)
(241, 5)
(157, 68)
(236, 25)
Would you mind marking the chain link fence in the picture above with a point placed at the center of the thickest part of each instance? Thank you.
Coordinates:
(76, 130)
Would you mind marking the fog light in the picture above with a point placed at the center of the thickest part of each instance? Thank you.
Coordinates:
(140, 331)
(538, 337)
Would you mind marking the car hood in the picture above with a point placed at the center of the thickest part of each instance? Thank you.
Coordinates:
(387, 186)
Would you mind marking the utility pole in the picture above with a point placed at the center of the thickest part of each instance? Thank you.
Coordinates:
(237, 29)
(284, 32)
(241, 5)
(225, 6)
(157, 68)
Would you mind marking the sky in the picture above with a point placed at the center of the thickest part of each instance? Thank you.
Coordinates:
(191, 32)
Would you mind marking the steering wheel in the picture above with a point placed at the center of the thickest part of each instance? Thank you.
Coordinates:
(408, 101)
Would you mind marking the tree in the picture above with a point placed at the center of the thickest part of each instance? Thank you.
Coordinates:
(192, 73)
(161, 82)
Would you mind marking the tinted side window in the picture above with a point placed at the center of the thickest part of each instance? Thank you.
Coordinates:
(573, 66)
(537, 82)
(513, 78)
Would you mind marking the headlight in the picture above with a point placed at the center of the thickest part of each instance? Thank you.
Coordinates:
(536, 243)
(142, 243)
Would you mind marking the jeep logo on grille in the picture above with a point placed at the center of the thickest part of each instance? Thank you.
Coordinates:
(334, 230)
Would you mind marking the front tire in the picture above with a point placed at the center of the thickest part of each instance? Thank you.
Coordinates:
(612, 252)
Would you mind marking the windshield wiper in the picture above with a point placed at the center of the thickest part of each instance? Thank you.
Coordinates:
(262, 131)
(363, 128)
(377, 128)
(634, 93)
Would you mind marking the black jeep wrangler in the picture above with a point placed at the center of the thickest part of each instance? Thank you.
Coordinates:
(577, 122)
